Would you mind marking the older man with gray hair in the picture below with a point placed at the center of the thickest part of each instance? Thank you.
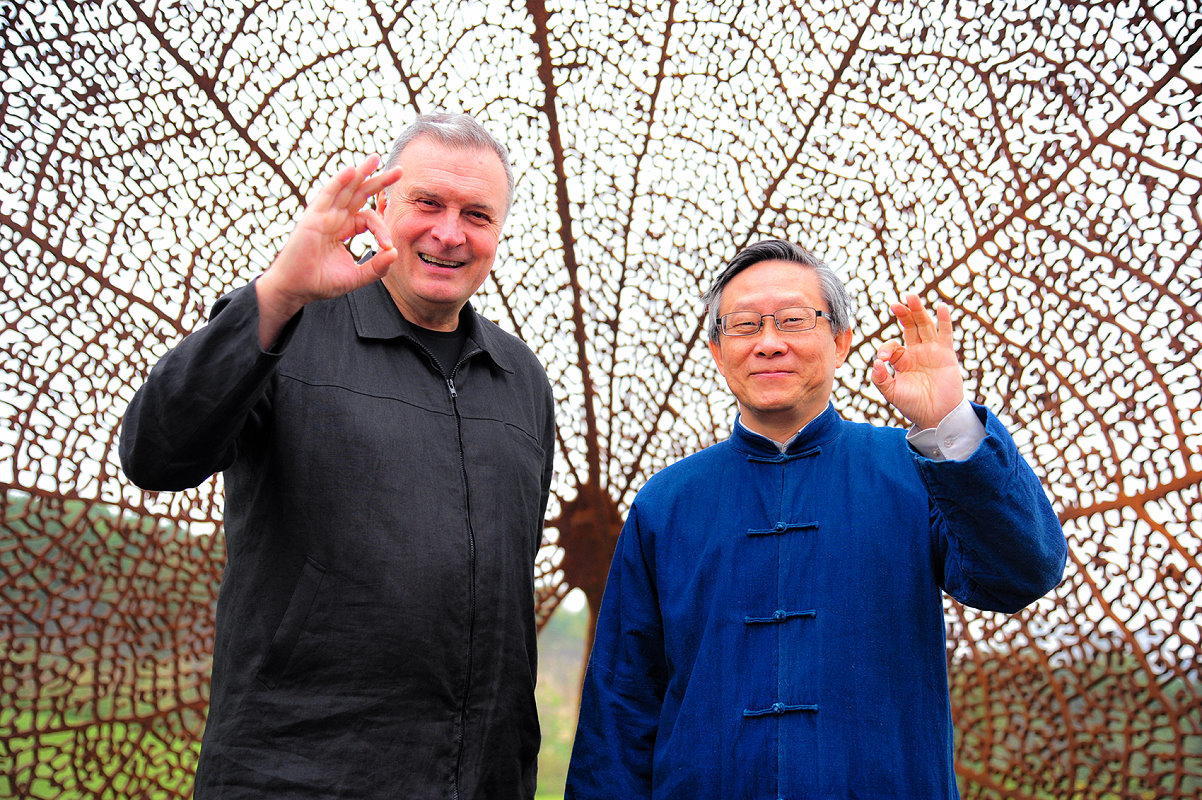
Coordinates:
(387, 457)
(773, 623)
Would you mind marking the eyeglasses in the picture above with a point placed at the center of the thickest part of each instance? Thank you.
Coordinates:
(788, 320)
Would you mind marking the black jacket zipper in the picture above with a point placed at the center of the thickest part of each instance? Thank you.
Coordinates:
(471, 626)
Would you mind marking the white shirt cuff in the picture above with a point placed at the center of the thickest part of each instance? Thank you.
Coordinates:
(954, 439)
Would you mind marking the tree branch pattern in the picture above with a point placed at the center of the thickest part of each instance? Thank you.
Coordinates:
(1036, 165)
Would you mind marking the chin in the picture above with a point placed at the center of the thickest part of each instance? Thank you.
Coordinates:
(768, 406)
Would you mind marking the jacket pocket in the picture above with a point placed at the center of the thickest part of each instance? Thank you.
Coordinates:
(296, 615)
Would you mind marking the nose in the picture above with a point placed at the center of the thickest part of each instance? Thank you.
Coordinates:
(770, 341)
(448, 229)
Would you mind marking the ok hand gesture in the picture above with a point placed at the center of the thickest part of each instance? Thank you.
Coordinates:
(920, 377)
(315, 263)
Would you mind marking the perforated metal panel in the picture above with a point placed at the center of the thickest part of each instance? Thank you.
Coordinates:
(1034, 164)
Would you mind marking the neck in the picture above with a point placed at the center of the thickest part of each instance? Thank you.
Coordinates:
(780, 429)
(430, 317)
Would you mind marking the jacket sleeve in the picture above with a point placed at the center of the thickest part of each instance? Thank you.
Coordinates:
(182, 426)
(1003, 545)
(624, 685)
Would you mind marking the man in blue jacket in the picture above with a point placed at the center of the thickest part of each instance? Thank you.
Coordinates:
(773, 624)
(387, 459)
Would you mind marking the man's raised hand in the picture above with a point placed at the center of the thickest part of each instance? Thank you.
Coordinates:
(920, 377)
(315, 263)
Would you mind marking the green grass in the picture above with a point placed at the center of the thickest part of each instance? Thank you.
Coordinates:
(561, 649)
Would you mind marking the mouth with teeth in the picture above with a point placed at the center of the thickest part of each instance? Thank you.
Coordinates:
(439, 262)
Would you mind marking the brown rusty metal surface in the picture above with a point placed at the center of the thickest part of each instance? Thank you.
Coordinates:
(1034, 164)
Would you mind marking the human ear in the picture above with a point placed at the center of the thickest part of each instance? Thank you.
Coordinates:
(842, 347)
(716, 352)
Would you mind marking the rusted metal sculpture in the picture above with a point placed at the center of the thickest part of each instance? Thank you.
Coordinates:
(1036, 165)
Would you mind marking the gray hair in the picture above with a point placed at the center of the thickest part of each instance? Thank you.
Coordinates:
(456, 131)
(834, 294)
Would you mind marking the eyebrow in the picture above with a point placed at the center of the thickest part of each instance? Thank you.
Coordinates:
(433, 194)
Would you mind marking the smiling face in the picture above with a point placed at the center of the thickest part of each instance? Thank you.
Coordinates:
(781, 380)
(445, 215)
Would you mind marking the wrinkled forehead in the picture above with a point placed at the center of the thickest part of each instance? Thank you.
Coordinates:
(770, 285)
(472, 176)
(425, 149)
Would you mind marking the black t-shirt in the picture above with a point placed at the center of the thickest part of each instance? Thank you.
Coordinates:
(444, 345)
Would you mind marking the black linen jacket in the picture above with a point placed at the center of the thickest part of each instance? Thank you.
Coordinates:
(375, 624)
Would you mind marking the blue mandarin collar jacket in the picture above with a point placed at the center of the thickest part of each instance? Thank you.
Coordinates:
(773, 623)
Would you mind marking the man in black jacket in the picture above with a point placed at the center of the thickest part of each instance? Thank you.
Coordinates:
(387, 459)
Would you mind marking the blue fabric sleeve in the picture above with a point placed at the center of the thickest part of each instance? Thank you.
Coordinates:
(1005, 547)
(624, 685)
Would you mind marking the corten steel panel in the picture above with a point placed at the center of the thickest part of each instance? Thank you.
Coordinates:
(1036, 165)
